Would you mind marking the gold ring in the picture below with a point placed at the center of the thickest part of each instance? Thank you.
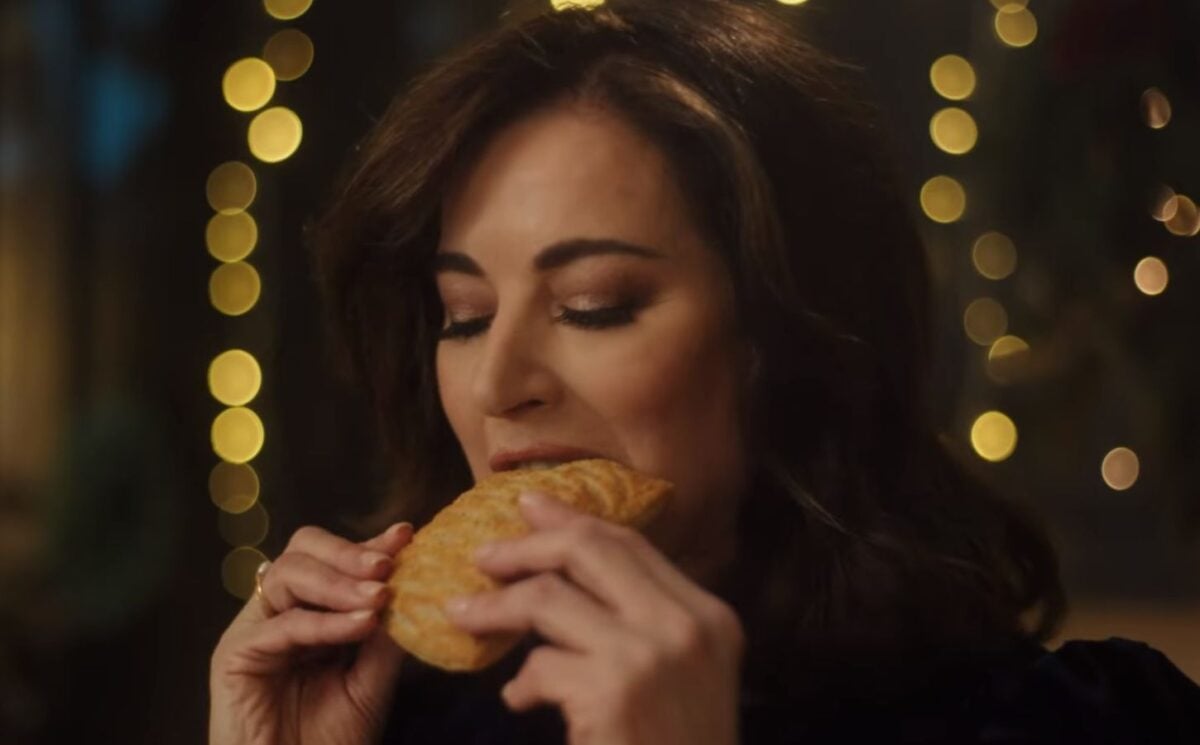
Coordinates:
(258, 587)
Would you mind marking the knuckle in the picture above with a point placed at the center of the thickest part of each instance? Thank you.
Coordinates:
(303, 536)
(543, 587)
(686, 637)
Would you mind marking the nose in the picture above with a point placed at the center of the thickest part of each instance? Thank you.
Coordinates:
(511, 375)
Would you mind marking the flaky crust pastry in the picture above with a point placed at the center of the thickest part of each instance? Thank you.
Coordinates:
(438, 563)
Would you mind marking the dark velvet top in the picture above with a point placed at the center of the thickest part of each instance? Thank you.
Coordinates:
(1112, 691)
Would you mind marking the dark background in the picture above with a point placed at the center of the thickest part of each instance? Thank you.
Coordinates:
(112, 118)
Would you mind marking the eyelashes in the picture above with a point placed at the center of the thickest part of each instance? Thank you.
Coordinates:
(597, 319)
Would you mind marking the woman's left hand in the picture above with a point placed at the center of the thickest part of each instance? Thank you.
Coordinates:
(638, 654)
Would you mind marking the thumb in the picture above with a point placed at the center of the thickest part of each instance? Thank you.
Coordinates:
(375, 670)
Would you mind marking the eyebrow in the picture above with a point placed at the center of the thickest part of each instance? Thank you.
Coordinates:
(552, 257)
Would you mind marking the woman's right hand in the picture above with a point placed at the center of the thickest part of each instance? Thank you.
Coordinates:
(280, 675)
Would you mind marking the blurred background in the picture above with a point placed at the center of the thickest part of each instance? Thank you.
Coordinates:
(169, 413)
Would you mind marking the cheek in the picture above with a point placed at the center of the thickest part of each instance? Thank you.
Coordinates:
(453, 391)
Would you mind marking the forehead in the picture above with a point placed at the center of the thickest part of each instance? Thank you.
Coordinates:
(571, 169)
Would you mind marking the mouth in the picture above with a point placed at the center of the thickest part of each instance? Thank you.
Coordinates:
(538, 457)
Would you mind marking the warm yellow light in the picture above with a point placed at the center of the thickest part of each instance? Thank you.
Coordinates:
(998, 4)
(233, 487)
(234, 288)
(248, 84)
(289, 53)
(237, 435)
(247, 528)
(985, 321)
(231, 237)
(943, 199)
(952, 77)
(1156, 108)
(1007, 358)
(1185, 218)
(237, 571)
(1165, 205)
(994, 436)
(286, 10)
(1016, 25)
(994, 255)
(275, 134)
(231, 187)
(1120, 468)
(234, 377)
(792, 2)
(954, 131)
(1150, 275)
(584, 4)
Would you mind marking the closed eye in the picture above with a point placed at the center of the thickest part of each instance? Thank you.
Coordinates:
(598, 318)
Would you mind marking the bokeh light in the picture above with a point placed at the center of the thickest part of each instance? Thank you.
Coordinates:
(233, 487)
(994, 436)
(1120, 468)
(237, 571)
(985, 321)
(1008, 358)
(994, 255)
(998, 4)
(1185, 217)
(275, 134)
(1156, 108)
(943, 199)
(234, 288)
(231, 187)
(792, 2)
(1165, 204)
(1150, 275)
(237, 435)
(954, 131)
(286, 10)
(248, 84)
(952, 77)
(1016, 25)
(234, 377)
(231, 237)
(247, 528)
(289, 53)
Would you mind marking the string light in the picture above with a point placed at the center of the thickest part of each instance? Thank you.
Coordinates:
(1016, 25)
(289, 53)
(1120, 468)
(994, 256)
(1184, 220)
(582, 4)
(954, 131)
(231, 237)
(248, 84)
(234, 377)
(237, 434)
(286, 10)
(943, 199)
(233, 487)
(237, 571)
(1007, 358)
(1150, 275)
(952, 77)
(985, 321)
(234, 288)
(275, 134)
(994, 436)
(1156, 108)
(231, 187)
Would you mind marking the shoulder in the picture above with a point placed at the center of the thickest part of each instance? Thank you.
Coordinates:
(1111, 691)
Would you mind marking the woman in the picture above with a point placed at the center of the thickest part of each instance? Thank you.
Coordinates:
(664, 233)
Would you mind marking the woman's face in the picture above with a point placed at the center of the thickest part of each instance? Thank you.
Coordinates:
(584, 310)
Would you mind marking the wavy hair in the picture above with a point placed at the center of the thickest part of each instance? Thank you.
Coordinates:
(863, 537)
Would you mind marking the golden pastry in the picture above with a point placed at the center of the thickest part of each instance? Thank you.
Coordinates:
(439, 561)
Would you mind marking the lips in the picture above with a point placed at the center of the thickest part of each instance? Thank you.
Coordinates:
(542, 454)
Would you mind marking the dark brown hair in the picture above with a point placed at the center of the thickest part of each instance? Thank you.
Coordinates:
(861, 533)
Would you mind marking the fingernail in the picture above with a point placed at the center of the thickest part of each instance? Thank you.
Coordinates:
(374, 559)
(405, 525)
(531, 499)
(484, 551)
(370, 589)
(458, 604)
(361, 615)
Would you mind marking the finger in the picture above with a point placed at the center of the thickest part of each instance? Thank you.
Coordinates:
(391, 540)
(268, 647)
(296, 579)
(546, 603)
(593, 553)
(548, 676)
(344, 555)
(376, 668)
(544, 512)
